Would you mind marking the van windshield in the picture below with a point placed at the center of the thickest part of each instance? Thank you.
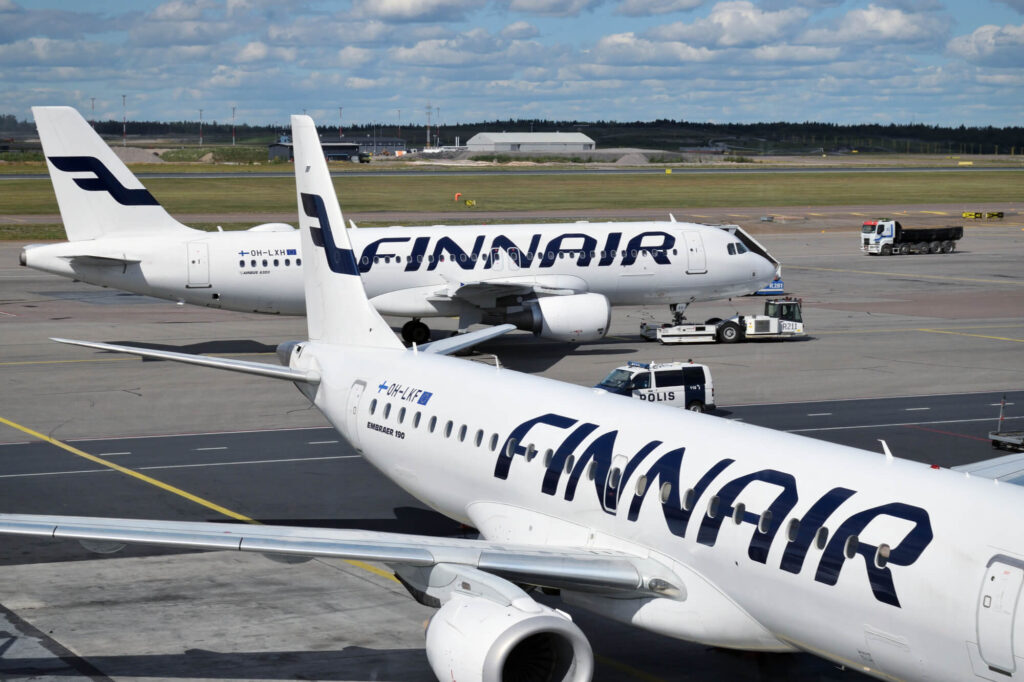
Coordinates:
(619, 381)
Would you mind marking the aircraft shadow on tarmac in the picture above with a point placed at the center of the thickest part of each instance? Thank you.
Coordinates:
(226, 346)
(349, 663)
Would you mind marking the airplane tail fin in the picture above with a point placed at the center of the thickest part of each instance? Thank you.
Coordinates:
(337, 310)
(96, 192)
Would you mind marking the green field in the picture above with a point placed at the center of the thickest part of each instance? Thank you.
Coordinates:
(553, 192)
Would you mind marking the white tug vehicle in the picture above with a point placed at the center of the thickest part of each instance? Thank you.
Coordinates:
(782, 319)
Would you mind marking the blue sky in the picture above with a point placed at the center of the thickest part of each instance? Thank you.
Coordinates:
(939, 62)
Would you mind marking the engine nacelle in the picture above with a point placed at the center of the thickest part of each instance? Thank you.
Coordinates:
(574, 318)
(475, 639)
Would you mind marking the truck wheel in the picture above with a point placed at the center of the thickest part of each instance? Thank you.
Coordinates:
(904, 249)
(695, 406)
(951, 248)
(923, 247)
(936, 247)
(947, 247)
(886, 250)
(729, 332)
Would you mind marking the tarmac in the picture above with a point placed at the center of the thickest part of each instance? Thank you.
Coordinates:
(917, 325)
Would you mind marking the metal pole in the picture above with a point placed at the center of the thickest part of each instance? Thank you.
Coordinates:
(232, 126)
(200, 127)
(124, 121)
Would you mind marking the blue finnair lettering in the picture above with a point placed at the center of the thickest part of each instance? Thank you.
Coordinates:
(430, 253)
(588, 453)
(341, 261)
(104, 180)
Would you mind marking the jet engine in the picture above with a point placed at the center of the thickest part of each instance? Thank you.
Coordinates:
(574, 318)
(473, 639)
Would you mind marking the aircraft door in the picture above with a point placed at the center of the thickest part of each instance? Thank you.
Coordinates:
(997, 606)
(512, 256)
(352, 413)
(198, 265)
(696, 259)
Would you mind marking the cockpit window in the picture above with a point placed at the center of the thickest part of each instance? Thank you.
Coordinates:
(731, 248)
(740, 248)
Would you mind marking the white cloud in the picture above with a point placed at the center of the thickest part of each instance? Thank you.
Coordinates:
(415, 10)
(991, 45)
(627, 48)
(875, 25)
(180, 10)
(796, 53)
(736, 23)
(351, 56)
(552, 8)
(519, 29)
(642, 8)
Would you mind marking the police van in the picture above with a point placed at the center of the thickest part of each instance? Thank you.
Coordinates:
(680, 384)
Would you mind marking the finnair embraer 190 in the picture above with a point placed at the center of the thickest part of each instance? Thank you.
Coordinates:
(557, 280)
(684, 524)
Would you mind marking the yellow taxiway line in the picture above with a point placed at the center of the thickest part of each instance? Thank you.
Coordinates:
(167, 487)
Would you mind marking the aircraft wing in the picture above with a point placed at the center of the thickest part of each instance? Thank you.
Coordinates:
(1008, 468)
(244, 366)
(483, 293)
(575, 568)
(453, 344)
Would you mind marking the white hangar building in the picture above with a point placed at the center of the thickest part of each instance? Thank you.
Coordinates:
(530, 142)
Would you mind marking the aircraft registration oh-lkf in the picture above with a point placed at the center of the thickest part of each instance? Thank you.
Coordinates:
(684, 524)
(557, 280)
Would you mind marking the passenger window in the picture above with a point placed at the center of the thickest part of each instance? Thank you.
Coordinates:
(448, 428)
(479, 437)
(614, 476)
(850, 549)
(416, 420)
(462, 433)
(264, 262)
(821, 538)
(241, 263)
(510, 449)
(793, 530)
(737, 513)
(252, 263)
(668, 378)
(531, 452)
(298, 261)
(387, 410)
(713, 507)
(641, 486)
(276, 263)
(432, 424)
(764, 523)
(882, 555)
(642, 380)
(494, 442)
(373, 406)
(591, 471)
(688, 499)
(569, 462)
(548, 454)
(287, 261)
(401, 415)
(666, 491)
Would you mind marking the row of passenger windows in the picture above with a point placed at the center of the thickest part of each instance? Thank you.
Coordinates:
(266, 263)
(465, 258)
(764, 522)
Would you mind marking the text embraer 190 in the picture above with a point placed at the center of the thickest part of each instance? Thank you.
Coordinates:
(684, 524)
(557, 280)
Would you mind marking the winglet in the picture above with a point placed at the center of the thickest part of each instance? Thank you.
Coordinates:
(885, 449)
(337, 310)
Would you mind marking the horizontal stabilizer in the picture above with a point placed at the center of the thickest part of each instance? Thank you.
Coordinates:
(104, 261)
(244, 366)
(591, 570)
(453, 344)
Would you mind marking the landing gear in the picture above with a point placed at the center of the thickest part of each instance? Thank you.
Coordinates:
(678, 312)
(416, 332)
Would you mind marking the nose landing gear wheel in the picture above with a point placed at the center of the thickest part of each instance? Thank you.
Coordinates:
(416, 332)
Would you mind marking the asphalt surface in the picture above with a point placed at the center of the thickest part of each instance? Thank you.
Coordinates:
(915, 350)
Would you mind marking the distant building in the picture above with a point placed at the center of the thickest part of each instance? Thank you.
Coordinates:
(340, 149)
(530, 142)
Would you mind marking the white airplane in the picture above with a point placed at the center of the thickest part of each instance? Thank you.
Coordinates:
(557, 280)
(684, 524)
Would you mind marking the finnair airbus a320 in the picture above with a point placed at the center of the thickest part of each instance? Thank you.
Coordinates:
(683, 524)
(557, 280)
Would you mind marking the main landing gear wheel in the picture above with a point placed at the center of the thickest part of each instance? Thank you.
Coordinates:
(416, 332)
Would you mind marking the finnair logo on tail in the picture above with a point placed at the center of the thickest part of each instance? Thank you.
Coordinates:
(104, 180)
(341, 261)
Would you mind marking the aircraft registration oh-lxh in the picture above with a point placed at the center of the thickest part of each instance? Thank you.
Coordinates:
(557, 280)
(684, 524)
